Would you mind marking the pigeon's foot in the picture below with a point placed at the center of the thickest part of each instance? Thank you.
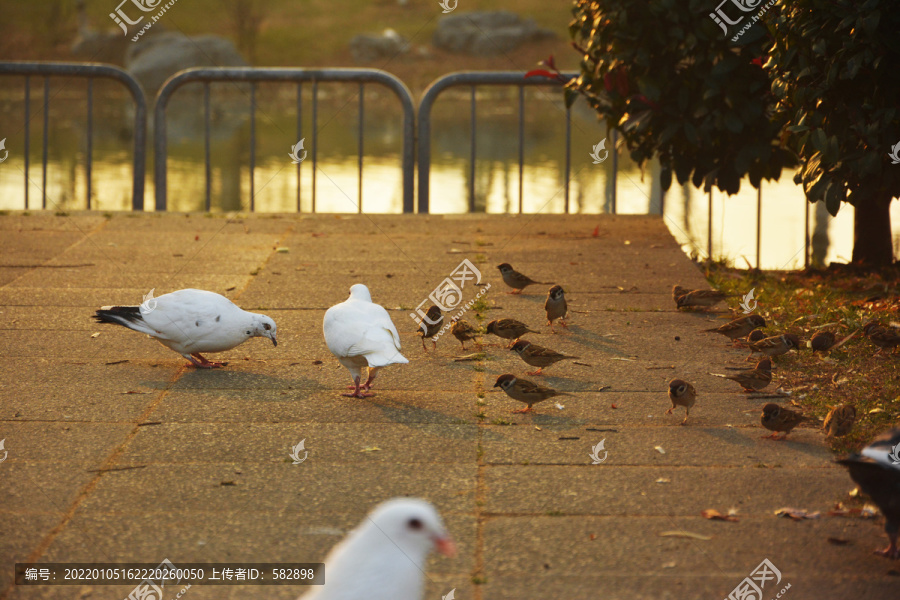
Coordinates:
(200, 362)
(891, 551)
(359, 394)
(538, 372)
(515, 292)
(522, 410)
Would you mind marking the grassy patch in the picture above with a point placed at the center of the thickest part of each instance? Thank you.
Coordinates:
(841, 301)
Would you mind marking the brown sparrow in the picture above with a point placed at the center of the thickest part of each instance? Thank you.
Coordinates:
(431, 325)
(537, 356)
(881, 336)
(779, 419)
(508, 329)
(739, 327)
(876, 469)
(678, 292)
(514, 279)
(753, 380)
(462, 331)
(700, 298)
(525, 391)
(556, 306)
(681, 393)
(839, 421)
(776, 345)
(821, 341)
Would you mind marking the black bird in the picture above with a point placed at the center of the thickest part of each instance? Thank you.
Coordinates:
(876, 469)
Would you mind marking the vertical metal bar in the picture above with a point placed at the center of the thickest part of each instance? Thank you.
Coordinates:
(806, 234)
(521, 141)
(360, 144)
(206, 157)
(27, 132)
(44, 150)
(315, 132)
(709, 229)
(615, 171)
(759, 227)
(90, 137)
(472, 153)
(568, 153)
(252, 144)
(299, 135)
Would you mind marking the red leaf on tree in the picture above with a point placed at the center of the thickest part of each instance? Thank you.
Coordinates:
(541, 72)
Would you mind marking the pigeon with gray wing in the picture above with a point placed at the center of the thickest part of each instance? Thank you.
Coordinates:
(190, 322)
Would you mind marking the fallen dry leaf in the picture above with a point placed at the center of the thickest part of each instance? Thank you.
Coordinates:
(685, 534)
(370, 449)
(796, 514)
(714, 515)
(659, 449)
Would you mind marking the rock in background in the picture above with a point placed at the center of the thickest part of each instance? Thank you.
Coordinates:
(485, 33)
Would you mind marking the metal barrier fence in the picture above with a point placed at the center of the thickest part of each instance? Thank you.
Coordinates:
(254, 75)
(473, 79)
(90, 71)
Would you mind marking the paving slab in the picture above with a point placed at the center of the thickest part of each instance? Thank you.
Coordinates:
(119, 451)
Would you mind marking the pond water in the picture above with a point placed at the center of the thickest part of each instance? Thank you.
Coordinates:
(337, 187)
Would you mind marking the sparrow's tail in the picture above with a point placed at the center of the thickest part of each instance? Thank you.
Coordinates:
(126, 316)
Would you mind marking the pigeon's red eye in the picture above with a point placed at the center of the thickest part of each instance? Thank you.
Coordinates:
(415, 524)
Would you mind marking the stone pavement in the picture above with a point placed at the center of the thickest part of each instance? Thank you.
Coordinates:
(119, 452)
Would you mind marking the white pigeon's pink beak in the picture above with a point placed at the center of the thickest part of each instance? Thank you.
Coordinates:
(446, 546)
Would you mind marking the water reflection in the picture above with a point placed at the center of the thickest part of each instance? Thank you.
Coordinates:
(280, 186)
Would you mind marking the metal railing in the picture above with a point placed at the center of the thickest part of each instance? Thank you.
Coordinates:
(253, 76)
(90, 71)
(473, 79)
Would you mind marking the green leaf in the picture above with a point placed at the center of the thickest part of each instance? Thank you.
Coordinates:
(834, 194)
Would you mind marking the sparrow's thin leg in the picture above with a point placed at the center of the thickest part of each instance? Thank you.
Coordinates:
(425, 348)
(669, 412)
(463, 344)
(434, 343)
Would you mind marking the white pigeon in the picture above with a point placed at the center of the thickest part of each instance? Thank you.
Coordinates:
(361, 334)
(190, 322)
(384, 557)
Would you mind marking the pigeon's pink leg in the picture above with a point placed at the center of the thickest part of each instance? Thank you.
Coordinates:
(522, 410)
(891, 551)
(357, 390)
(370, 381)
(514, 292)
(201, 363)
(538, 372)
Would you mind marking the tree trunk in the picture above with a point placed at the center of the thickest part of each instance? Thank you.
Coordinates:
(872, 244)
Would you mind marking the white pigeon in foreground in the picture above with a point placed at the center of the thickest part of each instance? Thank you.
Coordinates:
(384, 557)
(190, 322)
(361, 334)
